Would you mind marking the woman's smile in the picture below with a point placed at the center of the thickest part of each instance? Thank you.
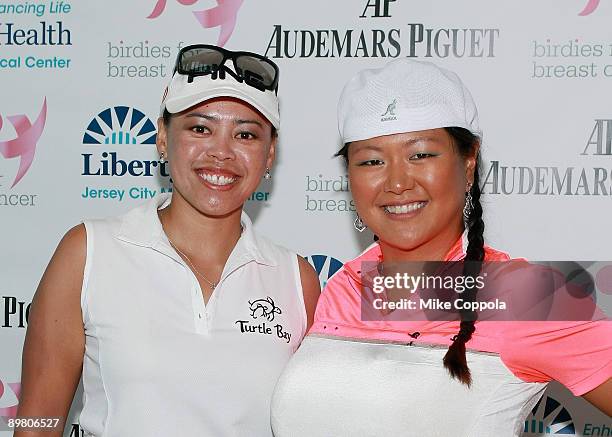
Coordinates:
(217, 179)
(404, 210)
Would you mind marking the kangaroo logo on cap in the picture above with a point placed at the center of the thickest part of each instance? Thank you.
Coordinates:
(390, 112)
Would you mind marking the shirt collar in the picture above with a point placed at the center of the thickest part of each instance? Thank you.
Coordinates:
(373, 254)
(141, 227)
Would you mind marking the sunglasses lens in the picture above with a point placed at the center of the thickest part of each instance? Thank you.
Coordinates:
(200, 61)
(256, 69)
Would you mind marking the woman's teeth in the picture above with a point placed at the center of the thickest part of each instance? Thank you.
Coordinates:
(404, 209)
(217, 179)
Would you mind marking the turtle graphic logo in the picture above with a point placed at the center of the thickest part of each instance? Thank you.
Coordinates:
(390, 109)
(264, 308)
(223, 15)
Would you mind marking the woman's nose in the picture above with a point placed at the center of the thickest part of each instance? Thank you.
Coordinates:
(220, 148)
(399, 178)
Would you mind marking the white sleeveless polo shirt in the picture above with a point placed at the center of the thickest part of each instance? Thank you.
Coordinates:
(158, 361)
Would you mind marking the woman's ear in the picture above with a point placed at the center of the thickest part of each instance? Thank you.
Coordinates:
(470, 163)
(272, 151)
(161, 140)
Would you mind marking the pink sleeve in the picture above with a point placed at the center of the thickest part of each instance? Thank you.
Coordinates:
(577, 354)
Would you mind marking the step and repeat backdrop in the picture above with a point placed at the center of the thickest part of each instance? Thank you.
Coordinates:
(81, 83)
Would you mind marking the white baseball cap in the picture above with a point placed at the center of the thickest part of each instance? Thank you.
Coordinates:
(181, 94)
(404, 96)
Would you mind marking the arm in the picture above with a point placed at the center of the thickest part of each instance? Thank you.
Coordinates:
(601, 397)
(311, 289)
(55, 338)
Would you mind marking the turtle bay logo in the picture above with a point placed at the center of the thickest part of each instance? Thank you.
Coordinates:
(325, 266)
(114, 140)
(549, 417)
(9, 399)
(23, 147)
(224, 16)
(264, 308)
(261, 311)
(389, 114)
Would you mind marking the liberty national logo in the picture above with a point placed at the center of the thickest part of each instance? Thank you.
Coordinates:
(120, 125)
(23, 146)
(325, 266)
(223, 16)
(9, 399)
(549, 417)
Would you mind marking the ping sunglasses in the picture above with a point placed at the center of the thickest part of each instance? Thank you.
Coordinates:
(251, 68)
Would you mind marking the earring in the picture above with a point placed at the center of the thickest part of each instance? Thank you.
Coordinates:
(359, 225)
(267, 174)
(469, 204)
(162, 159)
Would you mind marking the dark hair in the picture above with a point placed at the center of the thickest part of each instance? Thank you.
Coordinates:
(455, 359)
(167, 117)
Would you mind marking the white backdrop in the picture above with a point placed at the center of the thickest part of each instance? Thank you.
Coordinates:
(540, 72)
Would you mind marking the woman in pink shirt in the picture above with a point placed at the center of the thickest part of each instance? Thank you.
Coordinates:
(411, 142)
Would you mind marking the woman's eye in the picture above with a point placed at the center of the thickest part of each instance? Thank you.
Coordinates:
(418, 156)
(199, 129)
(370, 162)
(246, 136)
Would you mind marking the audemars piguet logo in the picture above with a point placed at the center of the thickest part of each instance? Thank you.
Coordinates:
(263, 308)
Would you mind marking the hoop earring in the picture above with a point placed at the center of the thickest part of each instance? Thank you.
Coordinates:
(359, 225)
(162, 159)
(267, 174)
(468, 207)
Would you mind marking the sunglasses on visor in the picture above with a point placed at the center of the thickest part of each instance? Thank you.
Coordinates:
(253, 69)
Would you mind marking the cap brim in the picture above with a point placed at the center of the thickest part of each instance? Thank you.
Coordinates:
(179, 104)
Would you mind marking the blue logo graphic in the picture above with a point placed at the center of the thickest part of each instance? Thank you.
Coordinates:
(325, 267)
(549, 417)
(120, 125)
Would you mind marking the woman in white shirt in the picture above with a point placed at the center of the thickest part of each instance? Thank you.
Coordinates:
(177, 314)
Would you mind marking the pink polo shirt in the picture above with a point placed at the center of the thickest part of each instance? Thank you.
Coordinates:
(577, 354)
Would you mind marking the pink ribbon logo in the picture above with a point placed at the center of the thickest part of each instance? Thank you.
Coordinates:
(11, 411)
(24, 146)
(589, 8)
(223, 15)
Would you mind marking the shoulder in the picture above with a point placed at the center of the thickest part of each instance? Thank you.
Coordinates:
(492, 254)
(311, 288)
(63, 276)
(73, 246)
(273, 253)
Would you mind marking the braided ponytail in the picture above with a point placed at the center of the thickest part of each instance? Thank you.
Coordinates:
(455, 359)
